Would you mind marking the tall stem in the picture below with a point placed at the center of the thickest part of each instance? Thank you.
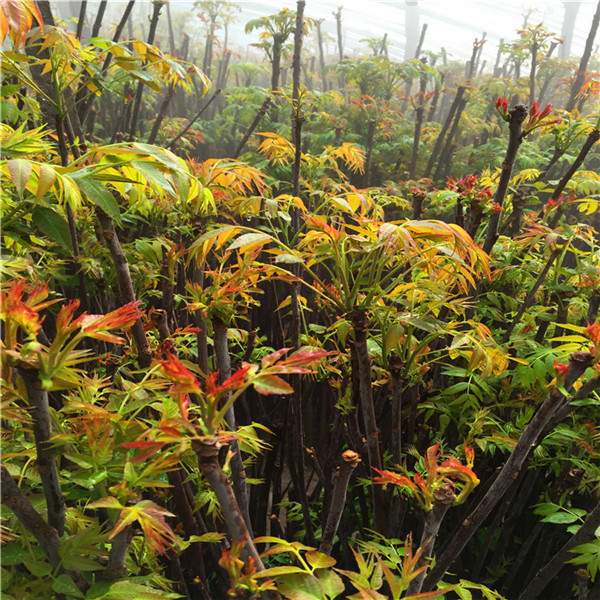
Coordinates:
(156, 8)
(45, 458)
(15, 499)
(515, 137)
(440, 140)
(443, 498)
(237, 465)
(583, 63)
(111, 240)
(360, 324)
(338, 499)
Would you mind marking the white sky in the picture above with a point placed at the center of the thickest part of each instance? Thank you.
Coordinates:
(453, 24)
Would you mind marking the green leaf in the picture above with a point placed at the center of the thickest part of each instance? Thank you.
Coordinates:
(100, 196)
(212, 537)
(127, 590)
(331, 583)
(63, 584)
(548, 508)
(145, 78)
(54, 226)
(39, 568)
(300, 586)
(561, 517)
(108, 502)
(13, 554)
(281, 570)
(463, 593)
(394, 335)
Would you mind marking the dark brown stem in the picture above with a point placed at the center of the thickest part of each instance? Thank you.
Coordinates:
(237, 465)
(341, 479)
(396, 367)
(297, 118)
(583, 63)
(208, 461)
(85, 106)
(338, 22)
(81, 19)
(156, 8)
(262, 111)
(15, 499)
(446, 154)
(440, 140)
(111, 240)
(369, 151)
(360, 322)
(161, 113)
(421, 40)
(578, 363)
(98, 20)
(419, 114)
(45, 458)
(592, 138)
(594, 304)
(443, 498)
(116, 567)
(515, 137)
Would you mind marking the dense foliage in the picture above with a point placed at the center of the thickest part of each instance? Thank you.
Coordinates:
(336, 338)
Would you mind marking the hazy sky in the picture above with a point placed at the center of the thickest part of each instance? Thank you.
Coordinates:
(453, 24)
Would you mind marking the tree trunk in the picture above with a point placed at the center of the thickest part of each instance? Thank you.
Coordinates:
(156, 8)
(583, 63)
(515, 125)
(571, 7)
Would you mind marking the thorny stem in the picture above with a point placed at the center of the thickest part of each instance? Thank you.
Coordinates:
(341, 479)
(578, 363)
